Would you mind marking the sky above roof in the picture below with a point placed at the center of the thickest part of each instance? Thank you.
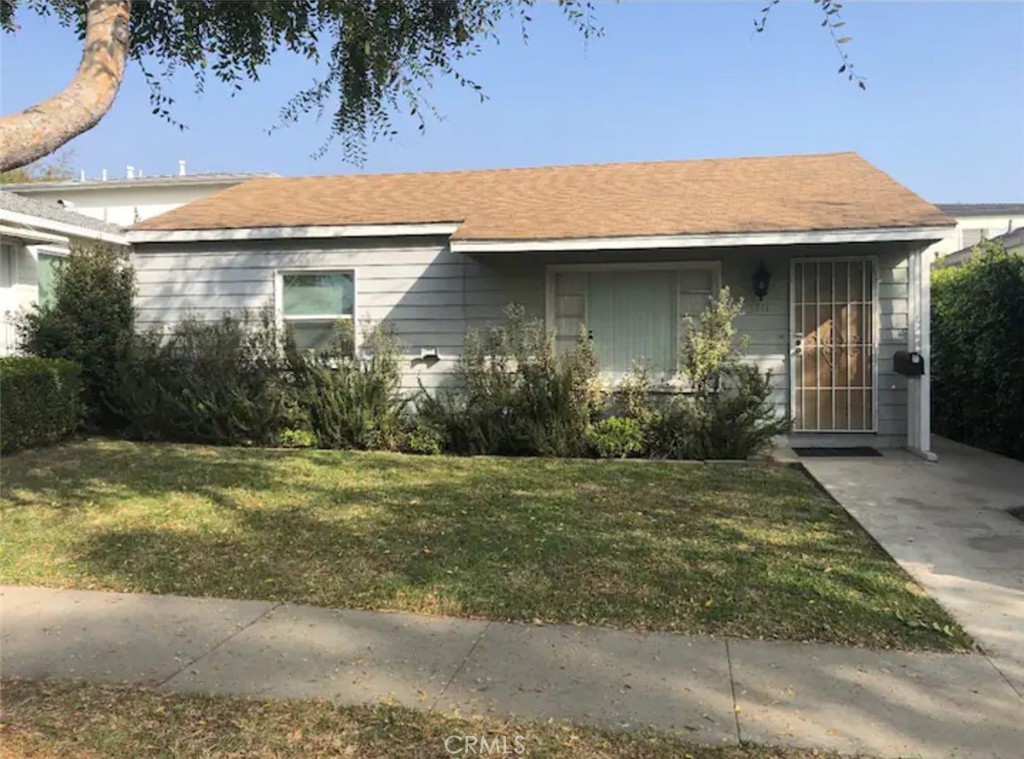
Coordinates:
(942, 112)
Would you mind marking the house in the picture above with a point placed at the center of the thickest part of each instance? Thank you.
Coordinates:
(131, 198)
(625, 250)
(35, 235)
(973, 222)
(1013, 242)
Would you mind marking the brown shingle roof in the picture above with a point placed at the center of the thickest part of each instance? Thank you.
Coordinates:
(786, 193)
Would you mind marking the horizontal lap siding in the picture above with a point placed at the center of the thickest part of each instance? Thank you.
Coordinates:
(428, 294)
(893, 306)
(431, 296)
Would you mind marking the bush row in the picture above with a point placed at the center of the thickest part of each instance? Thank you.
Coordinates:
(239, 381)
(41, 401)
(977, 357)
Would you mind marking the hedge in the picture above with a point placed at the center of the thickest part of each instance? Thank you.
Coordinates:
(40, 401)
(978, 351)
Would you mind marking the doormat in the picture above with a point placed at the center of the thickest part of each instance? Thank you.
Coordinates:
(856, 452)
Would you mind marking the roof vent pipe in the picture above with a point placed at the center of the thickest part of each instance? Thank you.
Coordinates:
(129, 172)
(181, 168)
(81, 175)
(103, 175)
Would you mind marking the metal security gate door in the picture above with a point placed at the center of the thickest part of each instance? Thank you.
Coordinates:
(832, 368)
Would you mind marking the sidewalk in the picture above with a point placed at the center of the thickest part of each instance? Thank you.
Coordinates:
(712, 690)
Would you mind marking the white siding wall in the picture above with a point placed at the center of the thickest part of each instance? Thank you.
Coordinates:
(125, 206)
(19, 290)
(431, 296)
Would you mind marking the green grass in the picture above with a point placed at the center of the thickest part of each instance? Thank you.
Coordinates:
(746, 550)
(63, 721)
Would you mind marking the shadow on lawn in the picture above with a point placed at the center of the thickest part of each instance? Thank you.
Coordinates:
(749, 552)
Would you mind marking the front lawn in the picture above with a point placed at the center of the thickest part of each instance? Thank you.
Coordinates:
(65, 721)
(745, 550)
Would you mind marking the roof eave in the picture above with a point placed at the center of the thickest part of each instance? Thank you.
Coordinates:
(930, 233)
(61, 228)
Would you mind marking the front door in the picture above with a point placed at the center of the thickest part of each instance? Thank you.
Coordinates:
(832, 367)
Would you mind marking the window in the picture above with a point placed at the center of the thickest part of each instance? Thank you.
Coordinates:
(630, 312)
(45, 279)
(318, 308)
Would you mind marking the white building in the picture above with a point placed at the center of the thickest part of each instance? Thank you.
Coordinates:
(975, 221)
(133, 197)
(35, 235)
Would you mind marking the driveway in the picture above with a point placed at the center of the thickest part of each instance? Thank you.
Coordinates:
(947, 525)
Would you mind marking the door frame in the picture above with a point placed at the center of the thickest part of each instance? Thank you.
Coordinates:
(875, 332)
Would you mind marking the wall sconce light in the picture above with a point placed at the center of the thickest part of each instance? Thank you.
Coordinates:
(761, 279)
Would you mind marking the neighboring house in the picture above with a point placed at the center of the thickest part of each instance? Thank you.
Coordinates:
(973, 222)
(624, 250)
(1013, 242)
(131, 199)
(34, 236)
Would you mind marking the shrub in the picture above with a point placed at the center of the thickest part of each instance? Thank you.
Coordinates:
(352, 402)
(977, 360)
(421, 437)
(41, 401)
(515, 396)
(90, 321)
(728, 412)
(298, 438)
(221, 382)
(616, 437)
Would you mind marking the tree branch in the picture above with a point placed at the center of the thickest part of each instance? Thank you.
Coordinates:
(41, 129)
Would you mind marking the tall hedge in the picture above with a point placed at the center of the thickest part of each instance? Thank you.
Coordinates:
(978, 351)
(40, 401)
(90, 321)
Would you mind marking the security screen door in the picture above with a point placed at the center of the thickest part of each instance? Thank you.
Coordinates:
(833, 357)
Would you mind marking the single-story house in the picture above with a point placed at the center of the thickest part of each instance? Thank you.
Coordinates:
(34, 236)
(625, 250)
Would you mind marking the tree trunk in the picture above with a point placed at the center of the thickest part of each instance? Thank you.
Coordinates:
(41, 129)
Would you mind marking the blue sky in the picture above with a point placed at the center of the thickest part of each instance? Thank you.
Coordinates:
(943, 112)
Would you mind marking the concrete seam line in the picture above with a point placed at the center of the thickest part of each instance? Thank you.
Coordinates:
(219, 643)
(1003, 676)
(462, 664)
(732, 686)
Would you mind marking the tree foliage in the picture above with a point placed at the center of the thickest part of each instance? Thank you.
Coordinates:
(371, 58)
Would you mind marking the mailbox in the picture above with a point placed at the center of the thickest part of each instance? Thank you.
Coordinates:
(908, 363)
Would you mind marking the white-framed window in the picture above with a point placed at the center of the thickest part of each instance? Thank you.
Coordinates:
(630, 311)
(46, 264)
(317, 307)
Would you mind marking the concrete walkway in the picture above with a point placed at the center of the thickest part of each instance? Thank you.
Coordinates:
(947, 525)
(711, 690)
